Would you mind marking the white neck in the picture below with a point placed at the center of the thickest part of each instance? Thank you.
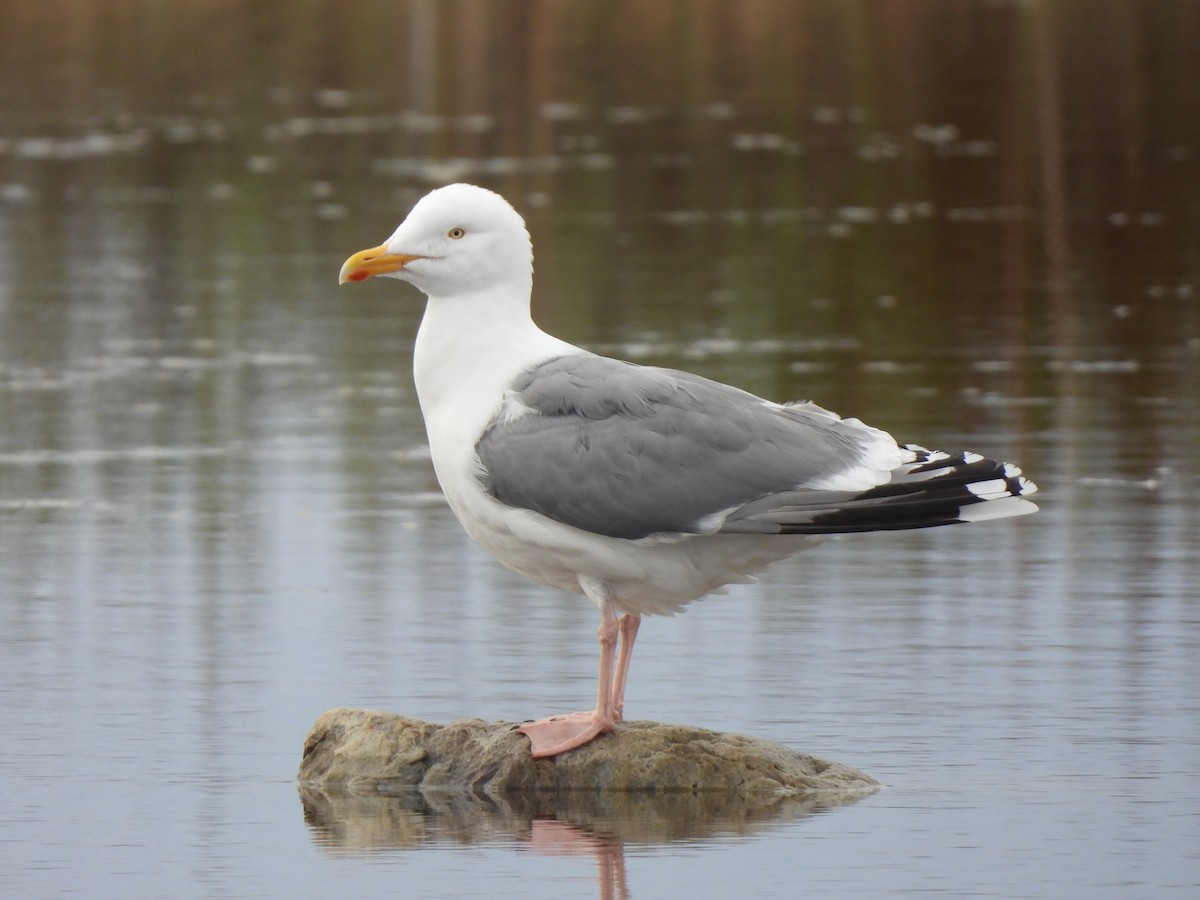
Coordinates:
(468, 349)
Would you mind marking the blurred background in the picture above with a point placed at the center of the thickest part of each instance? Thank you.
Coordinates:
(971, 223)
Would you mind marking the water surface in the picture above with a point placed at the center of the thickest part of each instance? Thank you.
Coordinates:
(973, 226)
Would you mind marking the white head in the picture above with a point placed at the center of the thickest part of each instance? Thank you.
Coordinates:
(458, 239)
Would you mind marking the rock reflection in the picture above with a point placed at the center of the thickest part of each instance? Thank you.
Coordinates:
(574, 823)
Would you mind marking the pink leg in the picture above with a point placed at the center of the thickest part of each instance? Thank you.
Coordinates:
(558, 734)
(629, 629)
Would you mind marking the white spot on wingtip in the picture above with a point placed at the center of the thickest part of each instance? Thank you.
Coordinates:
(997, 509)
(995, 489)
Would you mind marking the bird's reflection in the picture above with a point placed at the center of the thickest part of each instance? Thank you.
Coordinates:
(554, 837)
(578, 823)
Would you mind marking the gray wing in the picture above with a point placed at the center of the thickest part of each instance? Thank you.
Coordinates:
(629, 451)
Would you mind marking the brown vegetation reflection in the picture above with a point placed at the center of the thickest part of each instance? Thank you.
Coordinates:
(820, 156)
(979, 216)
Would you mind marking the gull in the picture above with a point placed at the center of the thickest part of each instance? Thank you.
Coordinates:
(641, 488)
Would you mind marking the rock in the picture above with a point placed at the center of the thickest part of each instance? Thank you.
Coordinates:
(362, 752)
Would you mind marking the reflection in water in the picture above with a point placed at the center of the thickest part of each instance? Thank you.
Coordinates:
(578, 823)
(552, 837)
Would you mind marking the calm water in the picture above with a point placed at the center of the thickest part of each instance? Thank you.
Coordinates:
(973, 224)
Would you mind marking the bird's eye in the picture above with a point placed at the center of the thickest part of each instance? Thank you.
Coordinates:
(455, 233)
